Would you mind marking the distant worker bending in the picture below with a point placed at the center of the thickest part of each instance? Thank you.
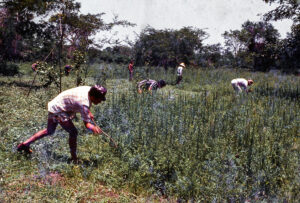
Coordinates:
(150, 85)
(241, 84)
(179, 73)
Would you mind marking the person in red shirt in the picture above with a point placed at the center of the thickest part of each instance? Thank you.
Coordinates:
(62, 109)
(130, 68)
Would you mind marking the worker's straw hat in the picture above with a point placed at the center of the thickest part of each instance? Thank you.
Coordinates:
(182, 64)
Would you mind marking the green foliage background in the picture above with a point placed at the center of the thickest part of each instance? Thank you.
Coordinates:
(195, 141)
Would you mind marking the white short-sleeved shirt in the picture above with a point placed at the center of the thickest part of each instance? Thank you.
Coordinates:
(241, 82)
(72, 101)
(179, 71)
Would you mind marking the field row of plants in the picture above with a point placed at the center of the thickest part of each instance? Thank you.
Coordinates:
(194, 141)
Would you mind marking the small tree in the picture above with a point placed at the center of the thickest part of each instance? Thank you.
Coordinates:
(254, 46)
(47, 74)
(78, 61)
(289, 48)
(78, 29)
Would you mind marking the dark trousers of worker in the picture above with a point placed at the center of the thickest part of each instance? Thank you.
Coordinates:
(130, 75)
(52, 124)
(179, 78)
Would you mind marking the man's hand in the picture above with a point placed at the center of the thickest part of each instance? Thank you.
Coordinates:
(139, 91)
(97, 130)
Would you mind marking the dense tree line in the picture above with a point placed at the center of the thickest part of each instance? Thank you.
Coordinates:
(31, 29)
(168, 47)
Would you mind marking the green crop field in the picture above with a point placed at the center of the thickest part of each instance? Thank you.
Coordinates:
(197, 141)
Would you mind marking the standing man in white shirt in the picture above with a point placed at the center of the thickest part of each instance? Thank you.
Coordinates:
(179, 73)
(62, 109)
(241, 84)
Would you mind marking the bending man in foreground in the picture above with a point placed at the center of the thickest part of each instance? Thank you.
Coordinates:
(62, 109)
(150, 85)
(240, 84)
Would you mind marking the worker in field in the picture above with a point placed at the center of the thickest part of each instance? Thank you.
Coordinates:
(179, 72)
(62, 109)
(241, 84)
(150, 85)
(130, 69)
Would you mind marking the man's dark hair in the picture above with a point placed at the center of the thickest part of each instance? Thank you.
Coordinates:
(98, 92)
(162, 83)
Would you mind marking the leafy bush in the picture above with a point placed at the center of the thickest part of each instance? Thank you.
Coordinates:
(9, 69)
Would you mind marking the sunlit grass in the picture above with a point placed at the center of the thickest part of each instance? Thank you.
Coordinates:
(197, 140)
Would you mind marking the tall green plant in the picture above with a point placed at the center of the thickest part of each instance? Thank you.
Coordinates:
(79, 60)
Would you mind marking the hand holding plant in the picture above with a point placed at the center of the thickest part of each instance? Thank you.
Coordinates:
(97, 130)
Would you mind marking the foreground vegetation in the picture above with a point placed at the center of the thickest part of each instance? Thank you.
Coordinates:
(195, 141)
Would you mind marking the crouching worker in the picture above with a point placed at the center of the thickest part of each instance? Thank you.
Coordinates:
(150, 85)
(241, 84)
(62, 109)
